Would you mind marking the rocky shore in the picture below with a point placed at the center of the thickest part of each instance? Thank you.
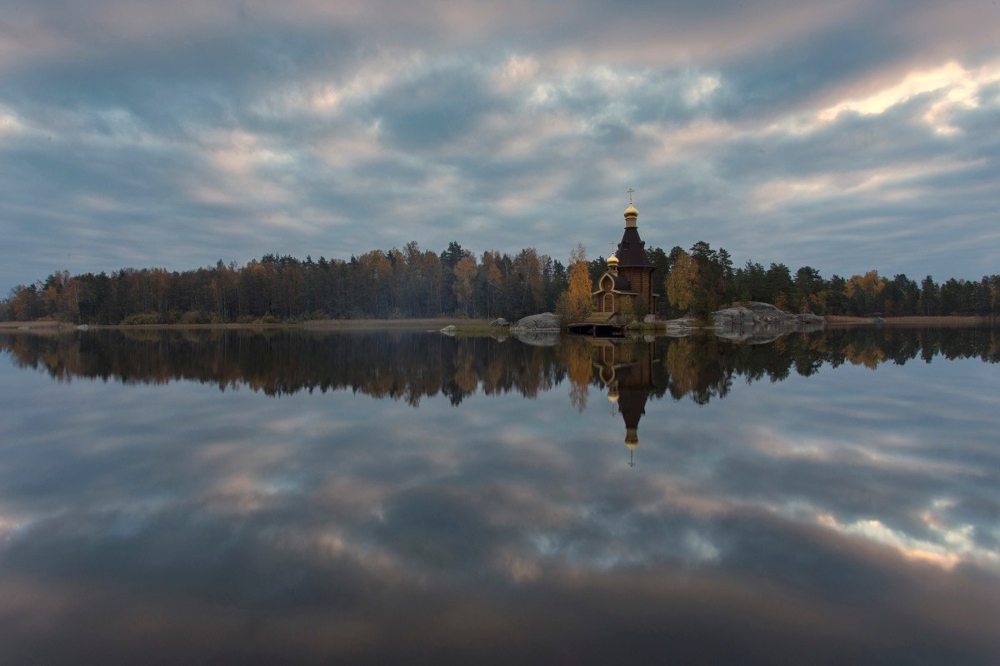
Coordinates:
(750, 322)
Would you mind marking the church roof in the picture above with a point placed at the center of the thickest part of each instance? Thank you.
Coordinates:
(631, 251)
(619, 283)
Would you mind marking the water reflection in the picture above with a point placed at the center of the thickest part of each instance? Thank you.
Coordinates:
(626, 370)
(787, 503)
(411, 366)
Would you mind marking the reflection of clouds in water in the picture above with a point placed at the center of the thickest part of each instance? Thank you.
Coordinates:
(346, 502)
(948, 545)
(885, 452)
(8, 526)
(306, 425)
(701, 547)
(380, 504)
(805, 448)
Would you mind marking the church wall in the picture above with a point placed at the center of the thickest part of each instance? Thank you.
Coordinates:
(642, 282)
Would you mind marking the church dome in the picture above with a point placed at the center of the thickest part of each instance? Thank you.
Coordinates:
(631, 211)
(612, 260)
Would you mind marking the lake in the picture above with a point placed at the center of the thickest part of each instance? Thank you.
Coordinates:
(298, 497)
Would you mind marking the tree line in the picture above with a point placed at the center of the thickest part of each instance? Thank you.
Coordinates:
(702, 280)
(415, 283)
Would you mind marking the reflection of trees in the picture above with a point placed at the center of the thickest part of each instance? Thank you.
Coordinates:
(397, 365)
(696, 367)
(869, 357)
(579, 368)
(409, 366)
(704, 367)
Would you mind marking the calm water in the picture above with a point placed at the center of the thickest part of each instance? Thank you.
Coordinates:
(201, 498)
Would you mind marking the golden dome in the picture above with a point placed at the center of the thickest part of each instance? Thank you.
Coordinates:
(632, 442)
(612, 260)
(630, 213)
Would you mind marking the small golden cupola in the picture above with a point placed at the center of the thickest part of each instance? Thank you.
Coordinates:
(613, 398)
(613, 265)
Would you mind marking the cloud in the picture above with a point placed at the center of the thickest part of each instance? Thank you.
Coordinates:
(862, 135)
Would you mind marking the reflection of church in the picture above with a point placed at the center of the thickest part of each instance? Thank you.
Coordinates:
(626, 369)
(627, 286)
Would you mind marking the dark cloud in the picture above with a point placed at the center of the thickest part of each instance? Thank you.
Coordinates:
(435, 109)
(790, 74)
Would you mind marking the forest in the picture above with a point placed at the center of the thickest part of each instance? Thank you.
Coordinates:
(415, 283)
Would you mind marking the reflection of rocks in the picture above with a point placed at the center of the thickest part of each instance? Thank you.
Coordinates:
(538, 338)
(759, 323)
(449, 330)
(681, 326)
(750, 335)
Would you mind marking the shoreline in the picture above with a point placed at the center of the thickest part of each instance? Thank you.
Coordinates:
(317, 324)
(842, 320)
(832, 321)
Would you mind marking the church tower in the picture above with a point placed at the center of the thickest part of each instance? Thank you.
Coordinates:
(630, 274)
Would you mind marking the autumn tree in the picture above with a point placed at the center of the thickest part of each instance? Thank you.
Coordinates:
(494, 281)
(864, 292)
(465, 272)
(682, 283)
(574, 304)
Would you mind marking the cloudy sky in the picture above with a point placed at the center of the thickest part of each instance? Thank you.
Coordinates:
(843, 135)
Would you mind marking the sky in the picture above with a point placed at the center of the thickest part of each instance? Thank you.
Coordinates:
(847, 136)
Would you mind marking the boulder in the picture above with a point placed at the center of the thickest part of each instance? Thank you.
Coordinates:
(499, 321)
(681, 323)
(539, 322)
(735, 317)
(764, 309)
(753, 320)
(449, 330)
(809, 318)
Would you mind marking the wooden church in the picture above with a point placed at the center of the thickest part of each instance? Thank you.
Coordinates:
(627, 285)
